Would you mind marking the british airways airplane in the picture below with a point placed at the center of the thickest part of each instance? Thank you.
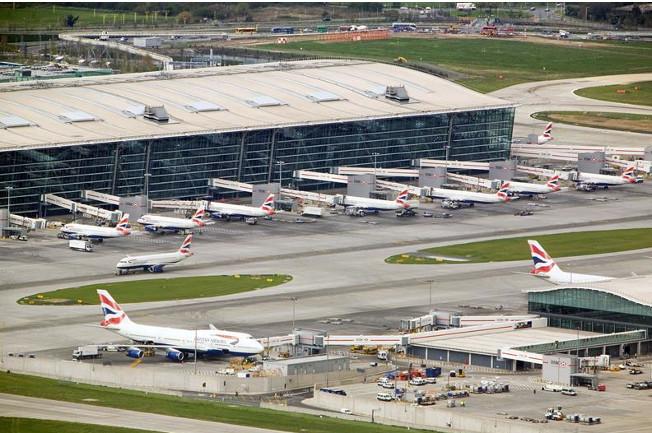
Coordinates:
(362, 204)
(155, 262)
(158, 223)
(97, 233)
(177, 343)
(547, 134)
(530, 189)
(228, 210)
(471, 197)
(545, 267)
(606, 180)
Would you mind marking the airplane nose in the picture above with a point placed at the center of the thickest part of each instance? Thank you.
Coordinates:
(257, 346)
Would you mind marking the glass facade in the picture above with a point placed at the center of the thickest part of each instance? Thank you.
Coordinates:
(590, 310)
(181, 166)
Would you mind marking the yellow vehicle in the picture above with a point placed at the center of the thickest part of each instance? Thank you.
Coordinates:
(246, 30)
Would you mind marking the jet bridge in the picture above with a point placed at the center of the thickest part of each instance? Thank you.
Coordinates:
(86, 209)
(338, 178)
(470, 180)
(294, 193)
(30, 223)
(484, 166)
(101, 197)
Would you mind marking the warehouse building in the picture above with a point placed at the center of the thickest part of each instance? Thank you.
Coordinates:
(613, 306)
(167, 133)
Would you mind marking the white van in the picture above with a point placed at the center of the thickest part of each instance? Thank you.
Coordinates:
(552, 387)
(384, 396)
(80, 245)
(568, 391)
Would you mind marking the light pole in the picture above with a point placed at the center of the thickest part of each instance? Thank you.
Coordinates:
(294, 303)
(147, 176)
(430, 293)
(9, 189)
(280, 173)
(375, 155)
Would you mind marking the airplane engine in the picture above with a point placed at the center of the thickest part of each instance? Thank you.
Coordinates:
(175, 355)
(151, 229)
(134, 352)
(155, 268)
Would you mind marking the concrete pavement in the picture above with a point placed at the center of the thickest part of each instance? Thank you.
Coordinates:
(558, 95)
(29, 407)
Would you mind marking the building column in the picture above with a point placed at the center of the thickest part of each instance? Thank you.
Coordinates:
(241, 156)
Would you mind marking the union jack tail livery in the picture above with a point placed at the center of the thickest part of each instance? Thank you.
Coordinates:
(185, 246)
(503, 192)
(197, 217)
(123, 226)
(268, 205)
(553, 183)
(629, 174)
(114, 317)
(543, 263)
(402, 198)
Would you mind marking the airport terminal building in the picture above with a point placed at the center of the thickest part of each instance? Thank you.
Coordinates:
(167, 133)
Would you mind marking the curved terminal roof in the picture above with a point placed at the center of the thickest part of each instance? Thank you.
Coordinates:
(110, 108)
(634, 289)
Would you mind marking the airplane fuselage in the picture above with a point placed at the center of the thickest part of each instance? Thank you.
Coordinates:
(604, 179)
(91, 231)
(210, 341)
(372, 204)
(528, 188)
(167, 223)
(152, 260)
(237, 210)
(464, 196)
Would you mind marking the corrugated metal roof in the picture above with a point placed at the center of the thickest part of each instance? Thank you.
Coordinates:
(117, 100)
(635, 289)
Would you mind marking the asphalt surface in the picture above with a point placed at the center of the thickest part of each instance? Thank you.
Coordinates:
(29, 407)
(557, 95)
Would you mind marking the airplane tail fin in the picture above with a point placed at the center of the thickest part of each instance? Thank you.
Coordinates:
(544, 265)
(402, 198)
(185, 246)
(268, 205)
(198, 216)
(503, 192)
(114, 317)
(629, 175)
(547, 132)
(553, 183)
(123, 226)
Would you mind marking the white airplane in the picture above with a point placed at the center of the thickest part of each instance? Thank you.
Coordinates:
(177, 343)
(228, 211)
(605, 180)
(157, 223)
(530, 189)
(470, 197)
(547, 134)
(545, 267)
(155, 262)
(363, 205)
(97, 233)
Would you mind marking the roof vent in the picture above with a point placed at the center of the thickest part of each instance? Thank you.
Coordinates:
(323, 96)
(76, 116)
(13, 122)
(397, 93)
(134, 111)
(375, 91)
(157, 114)
(203, 106)
(263, 101)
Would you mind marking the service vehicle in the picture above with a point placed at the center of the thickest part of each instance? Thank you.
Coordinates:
(384, 396)
(568, 391)
(551, 387)
(80, 245)
(86, 352)
(417, 381)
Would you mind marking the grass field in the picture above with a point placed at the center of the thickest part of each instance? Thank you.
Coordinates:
(635, 93)
(183, 407)
(491, 64)
(159, 289)
(557, 245)
(595, 119)
(29, 425)
(44, 17)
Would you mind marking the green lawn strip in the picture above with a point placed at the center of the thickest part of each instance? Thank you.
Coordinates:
(183, 407)
(596, 119)
(53, 16)
(635, 93)
(491, 64)
(31, 425)
(557, 245)
(159, 289)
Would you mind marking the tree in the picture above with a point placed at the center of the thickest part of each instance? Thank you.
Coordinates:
(184, 17)
(71, 20)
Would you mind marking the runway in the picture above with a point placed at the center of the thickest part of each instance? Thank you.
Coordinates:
(29, 407)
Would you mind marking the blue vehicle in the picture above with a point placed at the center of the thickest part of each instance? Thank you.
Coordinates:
(404, 27)
(283, 30)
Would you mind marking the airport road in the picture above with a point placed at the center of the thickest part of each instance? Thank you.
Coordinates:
(557, 95)
(29, 407)
(338, 271)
